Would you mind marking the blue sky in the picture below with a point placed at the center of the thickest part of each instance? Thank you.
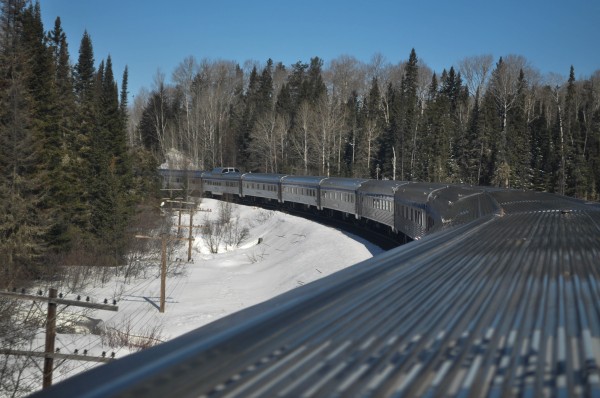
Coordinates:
(151, 35)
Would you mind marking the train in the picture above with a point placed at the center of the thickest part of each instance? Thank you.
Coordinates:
(410, 210)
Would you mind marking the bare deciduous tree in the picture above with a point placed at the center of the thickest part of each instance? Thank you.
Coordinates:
(475, 71)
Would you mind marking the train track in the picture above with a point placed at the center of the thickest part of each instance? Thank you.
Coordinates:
(502, 306)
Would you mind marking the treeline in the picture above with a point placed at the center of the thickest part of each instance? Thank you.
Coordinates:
(67, 181)
(486, 122)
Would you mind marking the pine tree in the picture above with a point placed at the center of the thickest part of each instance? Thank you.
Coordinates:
(109, 198)
(424, 166)
(264, 95)
(47, 123)
(315, 87)
(543, 155)
(389, 141)
(472, 160)
(373, 124)
(489, 126)
(518, 140)
(296, 86)
(408, 124)
(25, 213)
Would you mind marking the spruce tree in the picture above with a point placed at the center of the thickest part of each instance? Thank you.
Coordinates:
(518, 140)
(543, 154)
(389, 141)
(85, 125)
(26, 215)
(428, 142)
(408, 124)
(373, 124)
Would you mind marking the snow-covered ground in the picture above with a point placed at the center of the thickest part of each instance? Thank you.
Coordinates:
(292, 252)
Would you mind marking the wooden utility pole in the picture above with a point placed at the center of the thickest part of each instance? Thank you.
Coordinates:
(163, 264)
(50, 338)
(49, 353)
(190, 236)
(163, 272)
(165, 238)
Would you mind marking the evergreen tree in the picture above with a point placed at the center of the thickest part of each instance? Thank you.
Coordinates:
(373, 125)
(544, 162)
(264, 95)
(428, 142)
(124, 93)
(472, 153)
(85, 124)
(250, 103)
(577, 170)
(296, 86)
(315, 87)
(45, 116)
(389, 142)
(18, 208)
(517, 137)
(489, 127)
(409, 113)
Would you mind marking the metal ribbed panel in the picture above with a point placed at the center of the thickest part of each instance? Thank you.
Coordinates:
(505, 306)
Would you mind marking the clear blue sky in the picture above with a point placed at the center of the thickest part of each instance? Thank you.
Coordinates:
(148, 35)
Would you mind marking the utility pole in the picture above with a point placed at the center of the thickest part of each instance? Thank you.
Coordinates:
(164, 238)
(49, 352)
(190, 236)
(50, 338)
(163, 273)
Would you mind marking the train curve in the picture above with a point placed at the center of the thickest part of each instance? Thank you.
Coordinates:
(504, 303)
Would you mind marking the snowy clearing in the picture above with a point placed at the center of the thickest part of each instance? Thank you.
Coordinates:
(292, 252)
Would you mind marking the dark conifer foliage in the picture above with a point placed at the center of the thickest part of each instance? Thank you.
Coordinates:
(65, 176)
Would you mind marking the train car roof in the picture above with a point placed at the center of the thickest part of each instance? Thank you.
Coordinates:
(221, 176)
(420, 191)
(343, 183)
(262, 177)
(315, 180)
(180, 172)
(381, 187)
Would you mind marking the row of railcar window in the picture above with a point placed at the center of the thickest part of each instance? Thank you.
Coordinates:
(301, 191)
(343, 196)
(264, 187)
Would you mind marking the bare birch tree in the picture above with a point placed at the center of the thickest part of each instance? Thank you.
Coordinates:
(183, 77)
(301, 137)
(475, 71)
(264, 146)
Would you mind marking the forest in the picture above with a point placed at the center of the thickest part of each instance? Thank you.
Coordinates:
(482, 122)
(77, 161)
(69, 183)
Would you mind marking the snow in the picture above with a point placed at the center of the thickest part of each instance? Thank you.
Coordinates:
(292, 252)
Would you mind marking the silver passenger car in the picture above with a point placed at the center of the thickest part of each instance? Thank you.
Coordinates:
(218, 184)
(266, 186)
(301, 189)
(412, 208)
(340, 194)
(376, 200)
